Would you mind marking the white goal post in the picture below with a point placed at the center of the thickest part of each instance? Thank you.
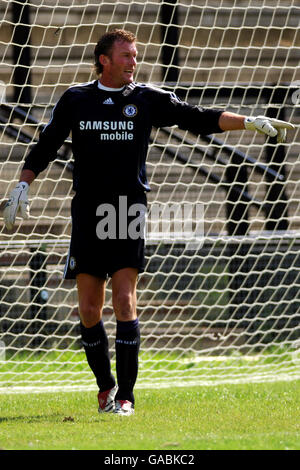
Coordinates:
(223, 309)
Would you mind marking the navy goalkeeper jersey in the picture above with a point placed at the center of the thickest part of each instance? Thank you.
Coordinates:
(110, 133)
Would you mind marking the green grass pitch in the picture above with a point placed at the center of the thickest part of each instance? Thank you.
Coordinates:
(246, 416)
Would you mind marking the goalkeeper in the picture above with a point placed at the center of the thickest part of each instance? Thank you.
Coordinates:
(110, 120)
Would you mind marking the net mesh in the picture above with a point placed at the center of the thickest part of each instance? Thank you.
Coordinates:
(226, 310)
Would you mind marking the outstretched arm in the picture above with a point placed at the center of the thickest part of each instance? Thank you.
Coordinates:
(206, 121)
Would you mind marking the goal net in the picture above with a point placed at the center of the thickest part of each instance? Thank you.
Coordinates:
(219, 301)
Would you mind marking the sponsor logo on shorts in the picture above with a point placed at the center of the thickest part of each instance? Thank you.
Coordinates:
(72, 262)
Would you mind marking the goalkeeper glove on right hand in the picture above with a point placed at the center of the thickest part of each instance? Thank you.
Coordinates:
(18, 199)
(271, 127)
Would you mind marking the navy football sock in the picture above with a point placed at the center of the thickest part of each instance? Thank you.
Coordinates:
(127, 349)
(95, 343)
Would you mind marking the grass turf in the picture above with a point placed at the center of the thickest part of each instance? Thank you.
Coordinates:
(246, 416)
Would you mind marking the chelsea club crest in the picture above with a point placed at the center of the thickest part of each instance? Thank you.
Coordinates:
(130, 110)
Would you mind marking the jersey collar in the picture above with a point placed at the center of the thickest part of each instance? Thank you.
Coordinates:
(106, 88)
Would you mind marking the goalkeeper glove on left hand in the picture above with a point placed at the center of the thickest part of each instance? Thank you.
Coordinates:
(18, 199)
(271, 127)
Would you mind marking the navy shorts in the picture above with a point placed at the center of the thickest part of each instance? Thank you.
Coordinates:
(107, 235)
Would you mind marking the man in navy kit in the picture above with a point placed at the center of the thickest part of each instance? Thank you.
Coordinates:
(111, 120)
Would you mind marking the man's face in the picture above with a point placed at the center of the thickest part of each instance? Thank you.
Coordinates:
(119, 66)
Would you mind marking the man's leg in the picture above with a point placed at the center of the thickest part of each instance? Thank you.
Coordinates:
(128, 333)
(91, 294)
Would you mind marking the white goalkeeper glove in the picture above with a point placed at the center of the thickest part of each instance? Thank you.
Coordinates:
(271, 127)
(18, 200)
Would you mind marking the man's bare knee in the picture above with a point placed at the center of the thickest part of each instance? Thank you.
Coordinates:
(124, 306)
(90, 314)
